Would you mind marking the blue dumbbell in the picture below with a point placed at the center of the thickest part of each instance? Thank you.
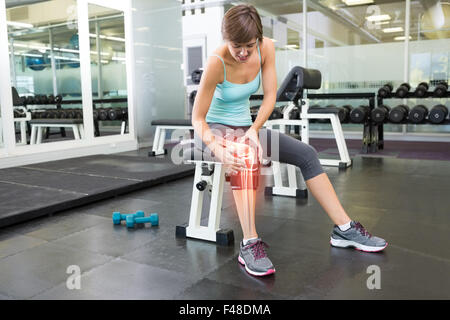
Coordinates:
(132, 220)
(117, 217)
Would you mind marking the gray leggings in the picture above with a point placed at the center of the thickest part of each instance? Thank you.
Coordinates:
(287, 150)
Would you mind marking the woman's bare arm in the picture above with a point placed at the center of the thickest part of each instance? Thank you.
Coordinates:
(269, 81)
(212, 75)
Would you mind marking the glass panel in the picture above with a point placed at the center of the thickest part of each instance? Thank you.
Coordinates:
(109, 74)
(1, 129)
(45, 71)
(357, 48)
(429, 55)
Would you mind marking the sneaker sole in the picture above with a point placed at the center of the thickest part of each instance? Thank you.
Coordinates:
(347, 243)
(254, 273)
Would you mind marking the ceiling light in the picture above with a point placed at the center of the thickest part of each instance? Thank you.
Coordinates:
(379, 23)
(32, 55)
(67, 50)
(356, 2)
(19, 24)
(391, 30)
(20, 45)
(66, 58)
(115, 39)
(381, 17)
(401, 38)
(93, 35)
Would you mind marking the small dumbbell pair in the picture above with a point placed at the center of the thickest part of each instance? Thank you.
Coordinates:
(135, 218)
(440, 90)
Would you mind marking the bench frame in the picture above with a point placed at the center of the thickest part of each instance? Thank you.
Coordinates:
(37, 129)
(293, 189)
(160, 138)
(214, 174)
(344, 161)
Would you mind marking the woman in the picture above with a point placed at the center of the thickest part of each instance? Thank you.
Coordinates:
(223, 125)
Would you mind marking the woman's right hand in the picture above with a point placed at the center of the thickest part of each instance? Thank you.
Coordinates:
(225, 151)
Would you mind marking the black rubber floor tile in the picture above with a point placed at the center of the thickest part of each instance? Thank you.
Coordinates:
(34, 202)
(11, 243)
(56, 226)
(193, 258)
(208, 289)
(122, 280)
(122, 204)
(397, 273)
(114, 166)
(4, 297)
(402, 230)
(60, 181)
(40, 268)
(112, 240)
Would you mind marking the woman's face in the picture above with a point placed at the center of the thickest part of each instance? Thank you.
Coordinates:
(241, 52)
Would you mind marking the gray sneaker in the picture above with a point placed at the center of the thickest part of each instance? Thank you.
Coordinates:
(356, 237)
(253, 256)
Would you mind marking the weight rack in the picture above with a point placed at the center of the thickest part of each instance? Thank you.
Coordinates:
(378, 130)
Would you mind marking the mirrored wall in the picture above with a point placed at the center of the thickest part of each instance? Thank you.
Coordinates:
(45, 72)
(46, 86)
(108, 69)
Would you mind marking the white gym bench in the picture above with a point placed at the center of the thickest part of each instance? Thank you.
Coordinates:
(23, 128)
(160, 133)
(38, 125)
(316, 113)
(209, 177)
(210, 174)
(291, 91)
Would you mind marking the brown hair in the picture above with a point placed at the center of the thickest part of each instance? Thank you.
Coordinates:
(241, 24)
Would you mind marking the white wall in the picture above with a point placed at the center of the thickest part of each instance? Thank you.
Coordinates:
(207, 24)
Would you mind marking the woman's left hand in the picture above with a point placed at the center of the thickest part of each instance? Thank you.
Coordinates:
(251, 138)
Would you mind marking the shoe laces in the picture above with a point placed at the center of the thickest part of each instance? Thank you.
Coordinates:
(258, 249)
(362, 230)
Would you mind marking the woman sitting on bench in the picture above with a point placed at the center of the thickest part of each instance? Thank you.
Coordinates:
(223, 125)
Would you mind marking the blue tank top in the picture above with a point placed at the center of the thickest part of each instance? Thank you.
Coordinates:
(230, 104)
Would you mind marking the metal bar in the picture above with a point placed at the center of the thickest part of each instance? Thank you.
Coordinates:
(99, 61)
(52, 63)
(305, 33)
(354, 95)
(406, 43)
(114, 100)
(13, 63)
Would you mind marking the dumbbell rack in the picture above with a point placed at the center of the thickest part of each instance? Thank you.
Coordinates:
(378, 128)
(368, 129)
(100, 101)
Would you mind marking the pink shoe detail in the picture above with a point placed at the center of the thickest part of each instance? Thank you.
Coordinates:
(242, 262)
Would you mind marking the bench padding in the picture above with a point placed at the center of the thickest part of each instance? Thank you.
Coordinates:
(172, 122)
(325, 110)
(190, 152)
(56, 121)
